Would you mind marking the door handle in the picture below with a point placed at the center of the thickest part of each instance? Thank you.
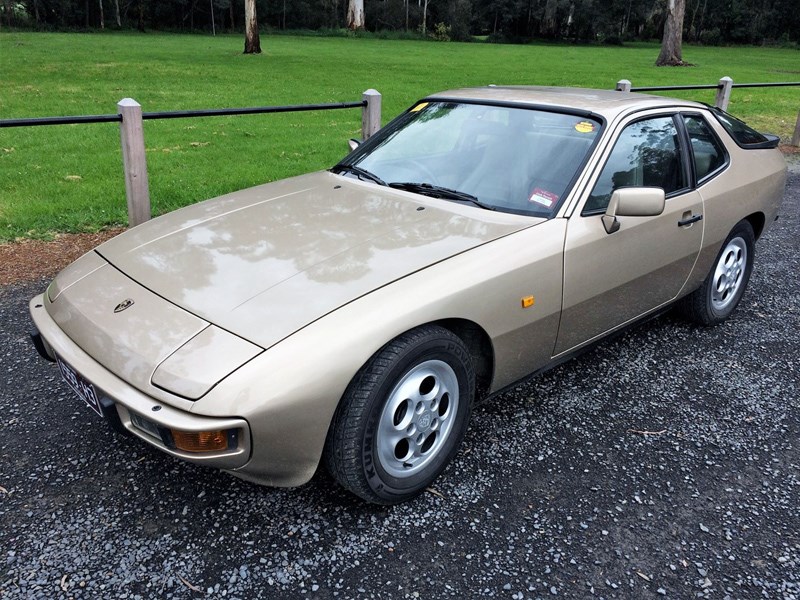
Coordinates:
(689, 220)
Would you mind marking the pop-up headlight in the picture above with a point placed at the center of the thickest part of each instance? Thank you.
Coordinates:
(202, 362)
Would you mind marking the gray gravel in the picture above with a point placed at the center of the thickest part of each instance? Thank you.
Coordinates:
(556, 493)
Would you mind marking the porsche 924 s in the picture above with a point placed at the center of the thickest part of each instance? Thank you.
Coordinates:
(352, 316)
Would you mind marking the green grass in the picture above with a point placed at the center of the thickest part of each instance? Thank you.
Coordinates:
(193, 159)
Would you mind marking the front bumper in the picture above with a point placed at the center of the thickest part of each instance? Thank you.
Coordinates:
(121, 402)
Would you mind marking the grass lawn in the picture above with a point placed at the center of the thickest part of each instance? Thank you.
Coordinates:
(69, 177)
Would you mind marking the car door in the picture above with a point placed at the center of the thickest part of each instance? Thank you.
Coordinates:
(612, 278)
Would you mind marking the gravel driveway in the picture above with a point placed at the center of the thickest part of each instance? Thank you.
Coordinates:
(666, 463)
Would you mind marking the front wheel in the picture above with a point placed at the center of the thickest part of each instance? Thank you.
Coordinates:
(716, 299)
(403, 416)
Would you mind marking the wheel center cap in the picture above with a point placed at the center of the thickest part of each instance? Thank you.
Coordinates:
(424, 420)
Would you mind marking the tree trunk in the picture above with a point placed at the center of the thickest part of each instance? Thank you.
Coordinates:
(116, 14)
(102, 15)
(213, 25)
(425, 17)
(252, 43)
(673, 35)
(86, 10)
(355, 14)
(140, 24)
(702, 19)
(36, 10)
(233, 22)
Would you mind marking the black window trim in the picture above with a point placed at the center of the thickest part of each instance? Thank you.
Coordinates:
(674, 113)
(770, 140)
(696, 183)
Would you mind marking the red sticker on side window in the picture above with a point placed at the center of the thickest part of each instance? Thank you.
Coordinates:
(543, 197)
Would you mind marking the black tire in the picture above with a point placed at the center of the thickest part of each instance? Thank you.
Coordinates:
(425, 379)
(719, 295)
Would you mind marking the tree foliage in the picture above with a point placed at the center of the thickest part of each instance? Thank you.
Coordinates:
(605, 21)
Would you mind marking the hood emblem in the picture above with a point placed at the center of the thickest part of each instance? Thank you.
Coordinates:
(125, 304)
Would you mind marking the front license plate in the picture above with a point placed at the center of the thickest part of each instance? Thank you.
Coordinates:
(83, 388)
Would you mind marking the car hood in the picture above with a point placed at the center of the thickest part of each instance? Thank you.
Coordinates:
(264, 262)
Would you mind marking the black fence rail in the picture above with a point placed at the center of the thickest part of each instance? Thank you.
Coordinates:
(33, 122)
(179, 114)
(666, 88)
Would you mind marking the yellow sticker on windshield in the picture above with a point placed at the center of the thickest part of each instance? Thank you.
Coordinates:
(419, 107)
(584, 127)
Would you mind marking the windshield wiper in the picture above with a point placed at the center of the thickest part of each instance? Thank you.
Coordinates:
(437, 191)
(358, 172)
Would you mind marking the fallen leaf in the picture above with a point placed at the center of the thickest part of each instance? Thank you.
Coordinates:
(641, 432)
(198, 144)
(643, 576)
(435, 492)
(64, 583)
(4, 491)
(73, 178)
(194, 588)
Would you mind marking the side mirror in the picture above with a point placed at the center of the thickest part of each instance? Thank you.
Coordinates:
(353, 143)
(633, 202)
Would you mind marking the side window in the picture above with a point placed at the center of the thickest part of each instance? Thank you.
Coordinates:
(706, 148)
(647, 154)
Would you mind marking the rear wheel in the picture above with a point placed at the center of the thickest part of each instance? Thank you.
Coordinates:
(717, 298)
(403, 416)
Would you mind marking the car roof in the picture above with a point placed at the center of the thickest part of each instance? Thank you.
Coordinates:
(606, 103)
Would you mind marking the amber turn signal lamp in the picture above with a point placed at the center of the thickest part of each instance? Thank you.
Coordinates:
(528, 301)
(200, 441)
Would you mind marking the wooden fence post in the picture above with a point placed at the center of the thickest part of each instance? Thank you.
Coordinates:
(370, 114)
(723, 93)
(134, 162)
(623, 85)
(796, 136)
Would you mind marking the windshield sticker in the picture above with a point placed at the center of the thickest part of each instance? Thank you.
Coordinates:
(543, 197)
(584, 127)
(419, 107)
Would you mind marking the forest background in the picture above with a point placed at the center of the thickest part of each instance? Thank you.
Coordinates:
(710, 22)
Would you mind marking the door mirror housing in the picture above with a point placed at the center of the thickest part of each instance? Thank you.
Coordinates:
(633, 202)
(353, 143)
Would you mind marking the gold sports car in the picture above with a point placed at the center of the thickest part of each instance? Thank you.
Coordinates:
(353, 316)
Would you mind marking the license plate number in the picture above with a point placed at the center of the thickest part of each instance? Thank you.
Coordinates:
(83, 388)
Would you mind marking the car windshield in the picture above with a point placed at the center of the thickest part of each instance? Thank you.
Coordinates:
(512, 159)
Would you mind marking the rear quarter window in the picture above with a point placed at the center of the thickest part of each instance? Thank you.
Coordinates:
(744, 135)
